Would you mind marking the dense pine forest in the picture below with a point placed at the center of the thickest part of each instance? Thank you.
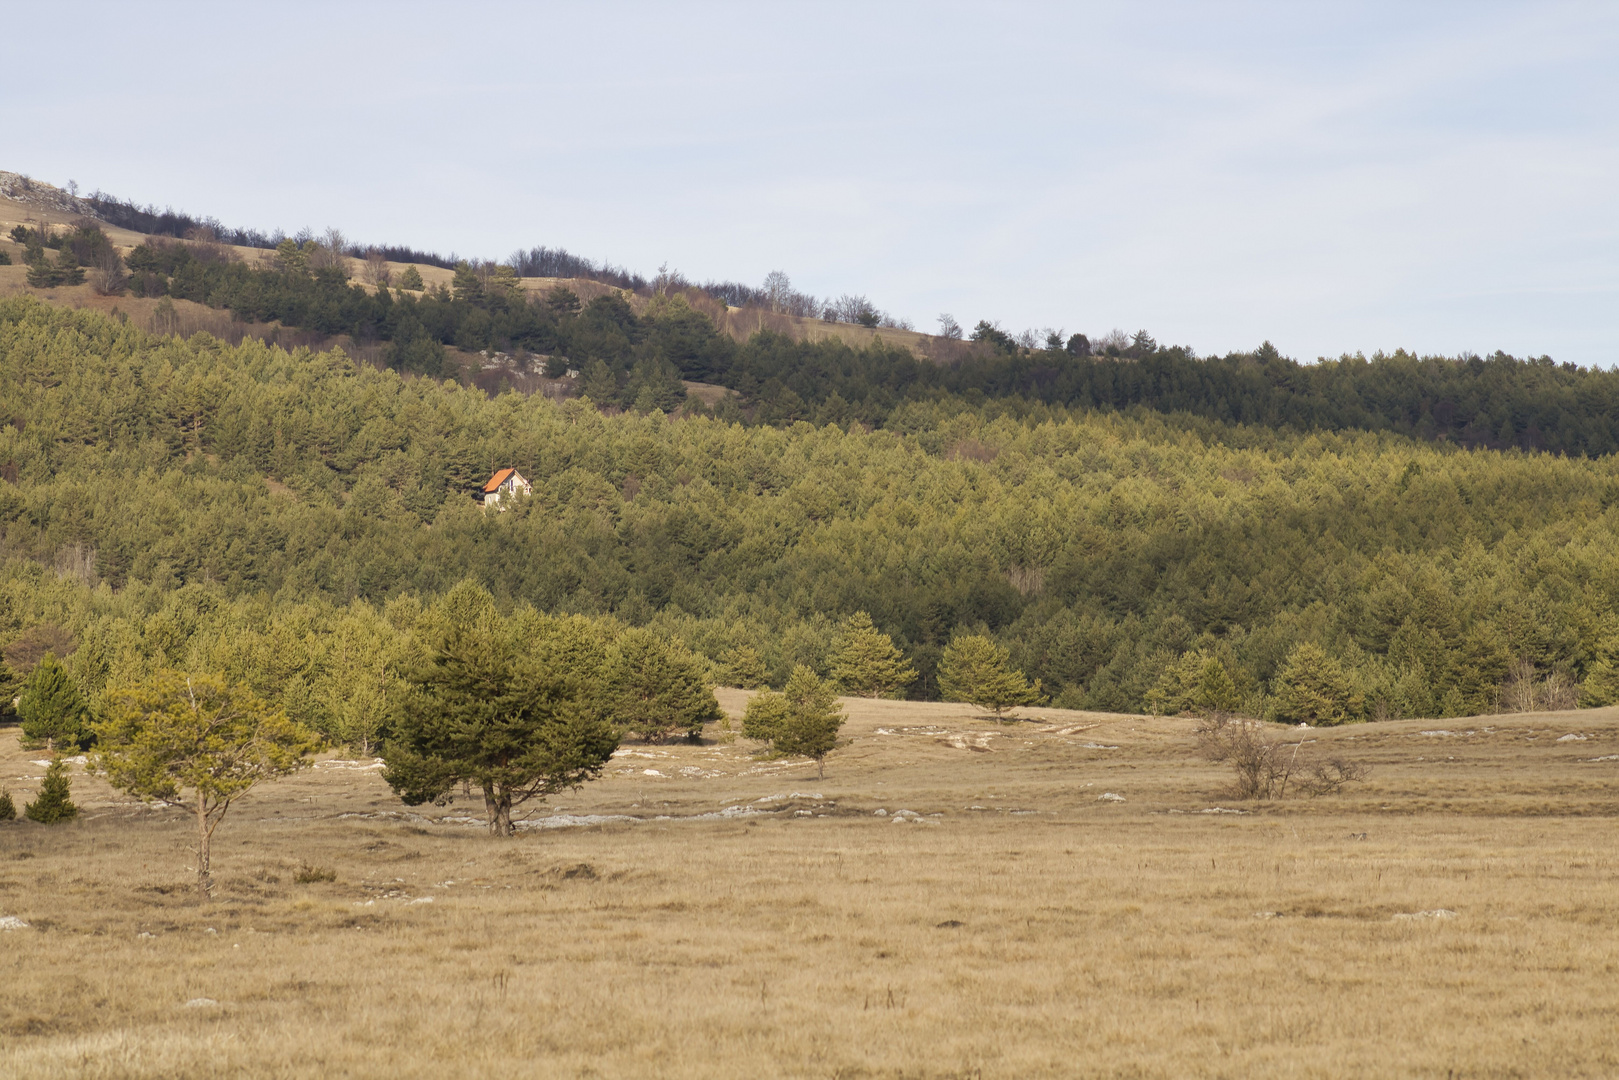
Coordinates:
(288, 515)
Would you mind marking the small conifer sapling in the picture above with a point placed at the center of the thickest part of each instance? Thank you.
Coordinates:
(53, 805)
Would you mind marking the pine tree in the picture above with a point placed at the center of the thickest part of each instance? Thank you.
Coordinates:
(8, 809)
(764, 716)
(51, 708)
(466, 285)
(1197, 682)
(53, 805)
(1311, 688)
(656, 687)
(599, 385)
(866, 663)
(976, 670)
(743, 667)
(68, 270)
(199, 742)
(810, 728)
(411, 279)
(1601, 685)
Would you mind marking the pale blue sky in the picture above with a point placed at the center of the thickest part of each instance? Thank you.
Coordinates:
(1333, 177)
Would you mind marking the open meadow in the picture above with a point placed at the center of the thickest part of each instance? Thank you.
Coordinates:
(1071, 895)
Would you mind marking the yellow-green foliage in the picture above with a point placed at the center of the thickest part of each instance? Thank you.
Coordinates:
(285, 515)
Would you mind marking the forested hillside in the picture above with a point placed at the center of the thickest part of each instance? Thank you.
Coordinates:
(629, 358)
(162, 492)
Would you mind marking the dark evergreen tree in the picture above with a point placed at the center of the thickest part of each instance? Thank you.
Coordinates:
(53, 804)
(52, 709)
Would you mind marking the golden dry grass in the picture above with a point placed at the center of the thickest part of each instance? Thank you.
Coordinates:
(1019, 926)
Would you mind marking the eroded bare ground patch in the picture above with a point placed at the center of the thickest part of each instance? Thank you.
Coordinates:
(958, 897)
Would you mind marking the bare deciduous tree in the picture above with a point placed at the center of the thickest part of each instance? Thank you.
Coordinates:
(329, 252)
(778, 290)
(1526, 691)
(107, 274)
(377, 271)
(949, 327)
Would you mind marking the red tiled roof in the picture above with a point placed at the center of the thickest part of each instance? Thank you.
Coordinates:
(498, 479)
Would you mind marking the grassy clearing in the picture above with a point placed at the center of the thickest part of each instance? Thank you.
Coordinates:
(1017, 925)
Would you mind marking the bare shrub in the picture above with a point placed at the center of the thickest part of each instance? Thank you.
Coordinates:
(1329, 777)
(1243, 744)
(1265, 765)
(309, 875)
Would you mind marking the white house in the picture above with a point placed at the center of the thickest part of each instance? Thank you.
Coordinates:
(504, 484)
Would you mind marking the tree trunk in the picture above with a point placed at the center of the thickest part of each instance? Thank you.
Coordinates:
(820, 768)
(497, 802)
(205, 876)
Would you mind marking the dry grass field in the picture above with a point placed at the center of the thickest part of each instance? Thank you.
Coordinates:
(956, 898)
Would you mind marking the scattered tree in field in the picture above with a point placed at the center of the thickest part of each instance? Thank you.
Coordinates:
(53, 804)
(657, 687)
(485, 708)
(764, 716)
(866, 663)
(329, 253)
(1197, 683)
(976, 670)
(52, 709)
(1311, 688)
(410, 279)
(8, 808)
(813, 718)
(801, 721)
(198, 742)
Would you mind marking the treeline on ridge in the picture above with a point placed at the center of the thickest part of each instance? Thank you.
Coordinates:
(1497, 401)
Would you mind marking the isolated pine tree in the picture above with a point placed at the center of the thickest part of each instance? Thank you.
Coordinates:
(8, 809)
(813, 717)
(53, 805)
(411, 279)
(866, 663)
